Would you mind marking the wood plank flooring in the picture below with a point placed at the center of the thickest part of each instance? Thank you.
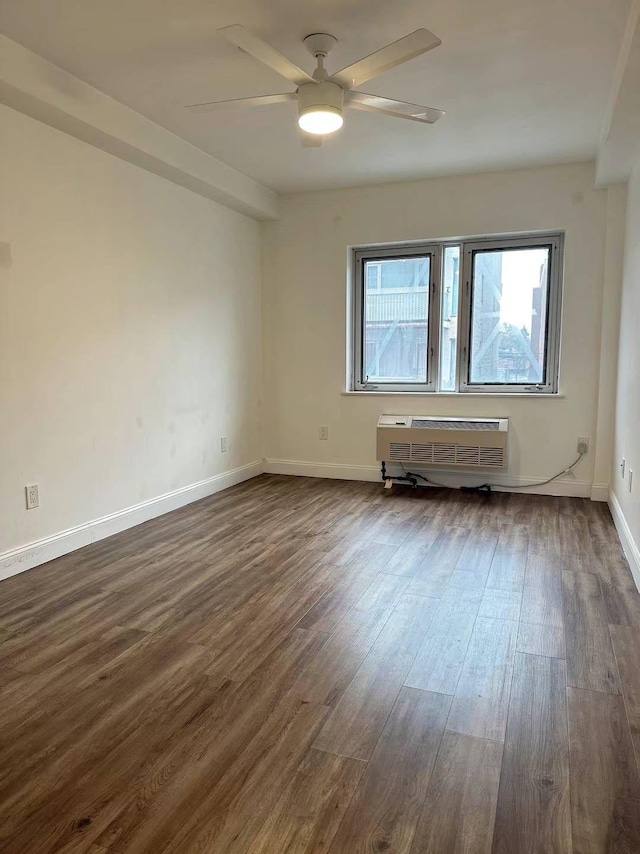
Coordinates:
(299, 666)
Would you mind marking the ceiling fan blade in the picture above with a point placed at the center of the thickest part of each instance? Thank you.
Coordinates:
(310, 140)
(400, 109)
(394, 54)
(265, 54)
(258, 101)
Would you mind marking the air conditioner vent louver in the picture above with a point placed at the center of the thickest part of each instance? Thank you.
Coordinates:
(422, 452)
(457, 443)
(400, 451)
(451, 424)
(492, 457)
(444, 454)
(468, 454)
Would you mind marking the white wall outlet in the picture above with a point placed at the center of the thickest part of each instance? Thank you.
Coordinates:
(630, 479)
(623, 468)
(324, 432)
(583, 444)
(224, 445)
(33, 496)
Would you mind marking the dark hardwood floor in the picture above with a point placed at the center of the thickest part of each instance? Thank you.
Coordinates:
(299, 666)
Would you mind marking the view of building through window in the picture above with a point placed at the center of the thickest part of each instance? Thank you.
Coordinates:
(508, 316)
(396, 318)
(449, 317)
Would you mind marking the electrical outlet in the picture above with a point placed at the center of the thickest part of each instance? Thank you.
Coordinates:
(224, 445)
(33, 496)
(324, 432)
(630, 479)
(583, 445)
(623, 467)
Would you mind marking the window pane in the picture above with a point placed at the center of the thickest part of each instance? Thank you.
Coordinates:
(509, 316)
(396, 307)
(449, 317)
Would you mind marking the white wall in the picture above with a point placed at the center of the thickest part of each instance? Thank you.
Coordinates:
(305, 262)
(130, 333)
(627, 421)
(131, 325)
(610, 328)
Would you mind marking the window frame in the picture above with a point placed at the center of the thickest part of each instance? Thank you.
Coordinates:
(361, 256)
(554, 310)
(468, 247)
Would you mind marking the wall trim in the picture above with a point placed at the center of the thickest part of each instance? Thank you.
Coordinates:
(33, 554)
(335, 471)
(570, 487)
(629, 545)
(599, 491)
(41, 551)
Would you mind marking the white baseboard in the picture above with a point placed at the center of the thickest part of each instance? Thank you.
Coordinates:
(33, 554)
(570, 487)
(41, 551)
(335, 471)
(600, 492)
(629, 545)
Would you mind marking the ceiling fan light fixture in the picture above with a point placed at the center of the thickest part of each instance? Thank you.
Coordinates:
(320, 107)
(321, 120)
(322, 97)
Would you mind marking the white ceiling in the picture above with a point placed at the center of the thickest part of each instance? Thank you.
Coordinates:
(522, 82)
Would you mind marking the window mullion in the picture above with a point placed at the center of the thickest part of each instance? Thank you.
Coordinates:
(433, 342)
(464, 317)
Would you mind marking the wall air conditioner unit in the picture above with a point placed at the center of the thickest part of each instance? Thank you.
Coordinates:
(430, 440)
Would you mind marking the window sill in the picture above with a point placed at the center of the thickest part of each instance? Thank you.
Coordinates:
(455, 394)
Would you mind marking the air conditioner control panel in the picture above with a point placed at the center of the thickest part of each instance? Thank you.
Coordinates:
(394, 421)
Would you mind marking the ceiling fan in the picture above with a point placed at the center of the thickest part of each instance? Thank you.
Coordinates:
(321, 98)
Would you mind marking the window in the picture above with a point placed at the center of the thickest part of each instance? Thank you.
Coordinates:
(476, 315)
(396, 316)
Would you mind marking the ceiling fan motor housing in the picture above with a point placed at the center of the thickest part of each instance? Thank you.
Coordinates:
(325, 96)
